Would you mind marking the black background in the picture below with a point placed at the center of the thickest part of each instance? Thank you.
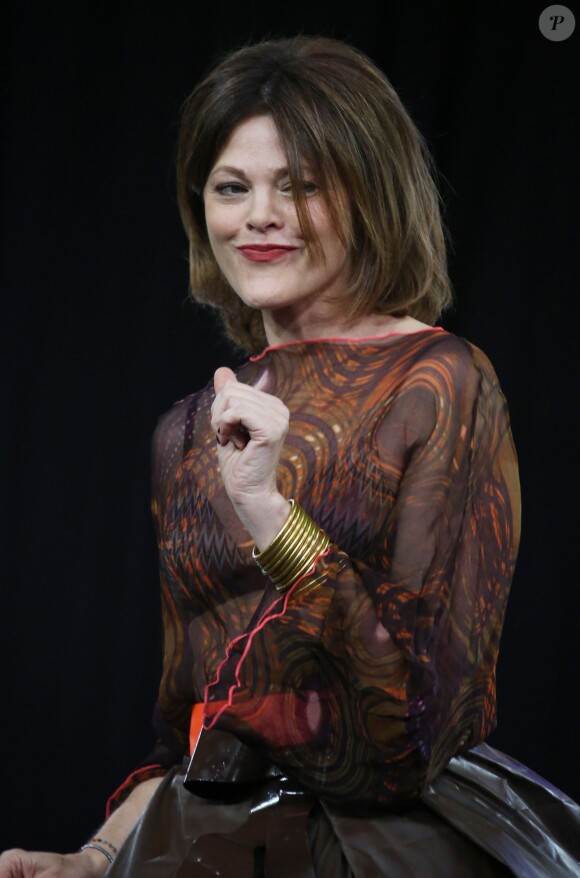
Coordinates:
(98, 339)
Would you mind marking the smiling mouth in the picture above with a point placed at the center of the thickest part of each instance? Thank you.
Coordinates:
(266, 252)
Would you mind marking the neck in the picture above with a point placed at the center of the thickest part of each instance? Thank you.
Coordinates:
(369, 325)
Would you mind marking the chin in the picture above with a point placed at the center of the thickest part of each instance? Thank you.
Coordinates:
(270, 300)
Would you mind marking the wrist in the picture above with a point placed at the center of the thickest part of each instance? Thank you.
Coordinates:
(94, 863)
(264, 516)
(294, 550)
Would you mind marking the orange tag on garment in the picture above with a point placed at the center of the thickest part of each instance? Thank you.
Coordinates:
(195, 726)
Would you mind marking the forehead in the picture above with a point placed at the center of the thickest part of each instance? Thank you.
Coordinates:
(254, 143)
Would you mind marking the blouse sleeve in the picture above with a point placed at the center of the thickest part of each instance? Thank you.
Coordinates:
(166, 455)
(370, 673)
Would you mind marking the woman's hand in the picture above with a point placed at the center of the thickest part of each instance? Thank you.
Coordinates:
(89, 863)
(250, 426)
(34, 864)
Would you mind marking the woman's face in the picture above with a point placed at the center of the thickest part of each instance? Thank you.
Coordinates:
(254, 231)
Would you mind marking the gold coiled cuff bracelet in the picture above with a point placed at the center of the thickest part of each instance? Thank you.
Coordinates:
(293, 550)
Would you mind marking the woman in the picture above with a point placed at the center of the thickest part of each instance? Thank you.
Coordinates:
(335, 566)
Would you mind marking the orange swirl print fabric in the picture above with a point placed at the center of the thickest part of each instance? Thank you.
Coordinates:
(365, 678)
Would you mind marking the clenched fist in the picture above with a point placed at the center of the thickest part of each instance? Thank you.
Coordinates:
(250, 426)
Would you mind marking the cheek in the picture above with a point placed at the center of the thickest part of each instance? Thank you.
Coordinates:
(219, 223)
(326, 233)
(334, 250)
(217, 242)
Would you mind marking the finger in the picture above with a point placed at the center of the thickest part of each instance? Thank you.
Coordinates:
(247, 412)
(239, 438)
(232, 394)
(237, 434)
(232, 429)
(221, 378)
(266, 425)
(227, 387)
(233, 390)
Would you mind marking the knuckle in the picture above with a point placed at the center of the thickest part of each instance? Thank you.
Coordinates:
(12, 853)
(232, 415)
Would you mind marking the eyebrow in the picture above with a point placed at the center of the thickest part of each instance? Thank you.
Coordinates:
(230, 169)
(238, 172)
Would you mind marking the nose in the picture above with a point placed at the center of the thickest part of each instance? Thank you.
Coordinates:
(263, 211)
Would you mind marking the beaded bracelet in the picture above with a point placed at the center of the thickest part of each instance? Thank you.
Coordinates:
(97, 845)
(293, 550)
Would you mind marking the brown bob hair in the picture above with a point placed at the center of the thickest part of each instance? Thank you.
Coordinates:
(334, 109)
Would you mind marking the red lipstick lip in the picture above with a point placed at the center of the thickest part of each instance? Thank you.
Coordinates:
(263, 248)
(265, 252)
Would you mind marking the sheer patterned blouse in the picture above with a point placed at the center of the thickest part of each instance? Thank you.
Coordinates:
(371, 672)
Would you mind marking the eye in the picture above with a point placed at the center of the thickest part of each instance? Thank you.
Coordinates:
(229, 188)
(307, 187)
